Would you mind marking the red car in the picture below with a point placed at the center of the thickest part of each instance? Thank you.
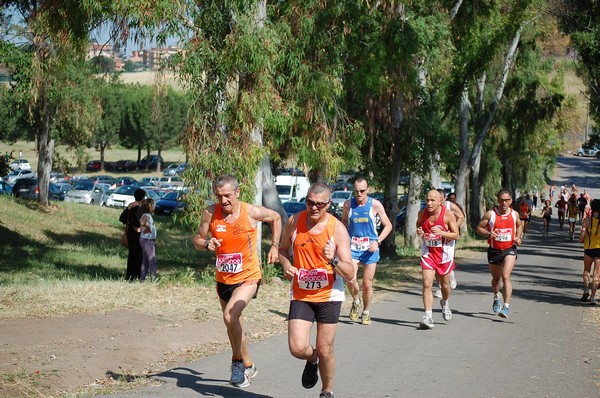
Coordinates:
(126, 165)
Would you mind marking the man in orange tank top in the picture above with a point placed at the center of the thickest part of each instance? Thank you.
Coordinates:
(233, 237)
(320, 246)
(504, 228)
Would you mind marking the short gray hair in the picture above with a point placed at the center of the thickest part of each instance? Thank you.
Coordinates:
(225, 179)
(319, 187)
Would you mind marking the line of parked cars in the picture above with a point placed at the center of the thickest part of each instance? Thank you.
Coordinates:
(126, 165)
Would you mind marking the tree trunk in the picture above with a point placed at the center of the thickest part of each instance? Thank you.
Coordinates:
(270, 198)
(475, 202)
(45, 151)
(435, 176)
(413, 206)
(463, 172)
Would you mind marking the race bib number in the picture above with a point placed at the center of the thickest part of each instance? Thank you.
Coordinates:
(360, 244)
(230, 263)
(504, 235)
(433, 240)
(313, 279)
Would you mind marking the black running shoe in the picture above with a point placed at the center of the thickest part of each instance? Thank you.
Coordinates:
(310, 375)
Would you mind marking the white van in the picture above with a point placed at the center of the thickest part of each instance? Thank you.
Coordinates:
(291, 188)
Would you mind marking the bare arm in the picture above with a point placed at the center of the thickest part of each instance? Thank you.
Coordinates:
(452, 226)
(458, 214)
(285, 249)
(387, 224)
(346, 213)
(482, 226)
(262, 214)
(584, 227)
(340, 248)
(519, 231)
(201, 240)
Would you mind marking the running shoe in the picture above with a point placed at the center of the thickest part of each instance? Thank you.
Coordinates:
(496, 306)
(438, 293)
(446, 313)
(426, 323)
(452, 280)
(592, 301)
(354, 311)
(251, 371)
(326, 394)
(365, 318)
(238, 376)
(585, 296)
(503, 312)
(310, 375)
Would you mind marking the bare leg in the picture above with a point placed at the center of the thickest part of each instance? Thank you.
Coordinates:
(428, 276)
(367, 284)
(232, 316)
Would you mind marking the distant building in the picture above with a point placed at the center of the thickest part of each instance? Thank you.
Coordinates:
(105, 50)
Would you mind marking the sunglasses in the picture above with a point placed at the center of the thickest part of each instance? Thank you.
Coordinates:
(318, 205)
(360, 190)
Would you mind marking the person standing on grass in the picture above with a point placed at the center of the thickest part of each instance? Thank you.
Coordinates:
(320, 247)
(590, 237)
(360, 216)
(503, 228)
(129, 217)
(232, 225)
(147, 232)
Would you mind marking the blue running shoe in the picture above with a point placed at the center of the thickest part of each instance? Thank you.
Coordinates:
(503, 312)
(496, 306)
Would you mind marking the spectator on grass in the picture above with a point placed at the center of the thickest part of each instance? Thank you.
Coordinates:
(130, 218)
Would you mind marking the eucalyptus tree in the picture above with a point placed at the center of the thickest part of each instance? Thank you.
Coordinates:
(53, 36)
(483, 33)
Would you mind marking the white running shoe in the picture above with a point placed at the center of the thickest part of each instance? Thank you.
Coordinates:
(438, 293)
(446, 313)
(452, 280)
(426, 323)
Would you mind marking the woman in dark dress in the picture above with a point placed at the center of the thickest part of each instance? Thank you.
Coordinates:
(130, 218)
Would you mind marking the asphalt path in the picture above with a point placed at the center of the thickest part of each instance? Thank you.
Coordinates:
(548, 347)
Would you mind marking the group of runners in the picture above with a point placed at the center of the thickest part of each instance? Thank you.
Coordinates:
(318, 253)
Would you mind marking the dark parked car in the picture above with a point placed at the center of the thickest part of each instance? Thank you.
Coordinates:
(402, 215)
(120, 181)
(126, 165)
(26, 188)
(169, 204)
(294, 207)
(94, 165)
(151, 161)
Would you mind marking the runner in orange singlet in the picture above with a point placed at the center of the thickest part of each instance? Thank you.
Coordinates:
(504, 229)
(320, 246)
(232, 226)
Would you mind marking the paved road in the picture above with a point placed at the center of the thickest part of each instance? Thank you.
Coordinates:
(547, 347)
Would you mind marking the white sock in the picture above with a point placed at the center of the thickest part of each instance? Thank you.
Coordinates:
(357, 301)
(506, 305)
(429, 314)
(497, 296)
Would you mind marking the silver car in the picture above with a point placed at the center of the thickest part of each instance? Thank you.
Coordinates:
(13, 176)
(88, 192)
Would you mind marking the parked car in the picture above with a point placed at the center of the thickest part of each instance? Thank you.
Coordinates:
(339, 197)
(174, 181)
(5, 189)
(170, 170)
(105, 179)
(169, 204)
(28, 188)
(294, 207)
(88, 192)
(402, 215)
(124, 180)
(149, 180)
(123, 196)
(25, 188)
(13, 176)
(57, 177)
(20, 164)
(150, 161)
(64, 187)
(126, 165)
(588, 150)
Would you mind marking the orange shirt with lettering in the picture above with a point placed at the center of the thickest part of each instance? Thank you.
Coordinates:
(237, 260)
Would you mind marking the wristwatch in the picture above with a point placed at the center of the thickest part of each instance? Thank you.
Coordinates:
(335, 262)
(378, 242)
